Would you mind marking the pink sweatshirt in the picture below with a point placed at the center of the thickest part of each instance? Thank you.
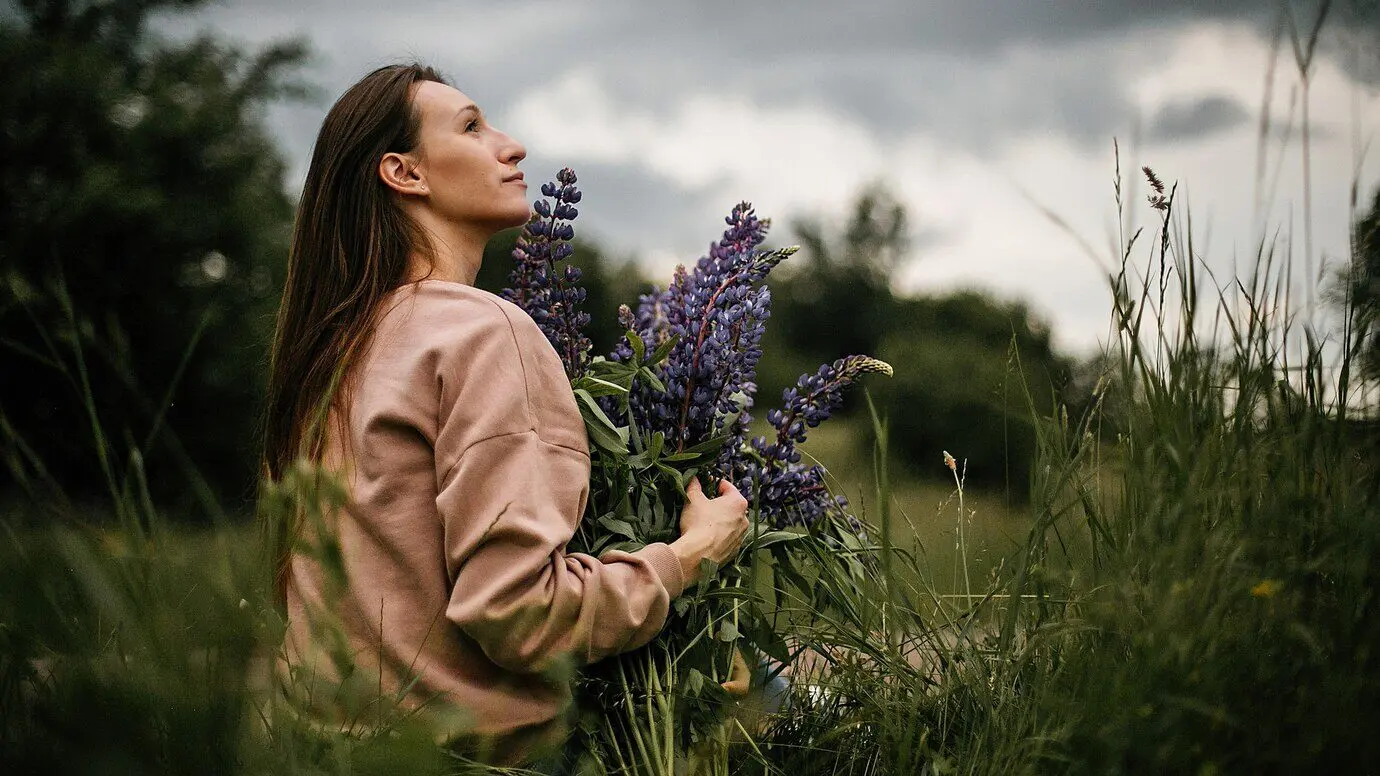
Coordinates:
(468, 471)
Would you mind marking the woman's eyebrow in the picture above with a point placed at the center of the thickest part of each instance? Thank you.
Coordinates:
(471, 107)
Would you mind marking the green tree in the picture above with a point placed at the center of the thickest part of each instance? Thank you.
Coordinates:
(963, 361)
(971, 372)
(1362, 283)
(835, 298)
(143, 236)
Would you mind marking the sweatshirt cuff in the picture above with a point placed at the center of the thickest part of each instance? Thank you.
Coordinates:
(664, 562)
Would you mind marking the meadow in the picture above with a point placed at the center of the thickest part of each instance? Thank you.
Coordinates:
(1191, 589)
(1187, 582)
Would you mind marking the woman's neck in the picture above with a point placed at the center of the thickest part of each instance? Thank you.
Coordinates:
(457, 251)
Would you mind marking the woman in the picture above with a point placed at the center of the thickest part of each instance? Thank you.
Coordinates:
(454, 430)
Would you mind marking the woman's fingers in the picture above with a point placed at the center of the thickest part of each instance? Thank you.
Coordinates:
(695, 492)
(740, 679)
(728, 490)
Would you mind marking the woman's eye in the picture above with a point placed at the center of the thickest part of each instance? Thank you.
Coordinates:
(473, 126)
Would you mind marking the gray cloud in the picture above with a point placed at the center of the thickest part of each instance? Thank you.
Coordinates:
(971, 75)
(974, 28)
(1194, 119)
(974, 73)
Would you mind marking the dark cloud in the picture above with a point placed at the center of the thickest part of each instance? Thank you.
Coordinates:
(976, 72)
(973, 27)
(973, 75)
(1355, 43)
(1193, 119)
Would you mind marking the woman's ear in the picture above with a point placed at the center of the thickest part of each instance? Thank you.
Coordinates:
(400, 174)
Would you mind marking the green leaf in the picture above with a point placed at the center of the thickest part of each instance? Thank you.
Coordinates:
(759, 631)
(639, 348)
(774, 537)
(609, 371)
(627, 546)
(728, 631)
(694, 682)
(649, 377)
(605, 439)
(662, 351)
(681, 479)
(617, 526)
(602, 430)
(708, 570)
(656, 444)
(703, 452)
(596, 387)
(588, 399)
(658, 515)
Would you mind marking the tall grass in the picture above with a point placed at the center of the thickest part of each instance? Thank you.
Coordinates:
(1197, 592)
(131, 645)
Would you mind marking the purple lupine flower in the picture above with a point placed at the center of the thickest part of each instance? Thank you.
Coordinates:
(552, 295)
(787, 491)
(649, 322)
(717, 315)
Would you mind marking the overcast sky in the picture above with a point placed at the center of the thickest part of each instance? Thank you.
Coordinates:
(981, 115)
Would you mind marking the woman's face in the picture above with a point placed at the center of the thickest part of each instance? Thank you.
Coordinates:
(468, 166)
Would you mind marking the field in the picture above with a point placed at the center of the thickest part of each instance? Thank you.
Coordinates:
(1189, 587)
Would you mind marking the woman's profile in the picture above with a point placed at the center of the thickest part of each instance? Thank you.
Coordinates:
(448, 418)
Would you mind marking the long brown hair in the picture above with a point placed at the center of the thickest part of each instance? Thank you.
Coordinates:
(350, 248)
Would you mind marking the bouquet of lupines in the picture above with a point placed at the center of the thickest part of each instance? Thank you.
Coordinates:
(670, 403)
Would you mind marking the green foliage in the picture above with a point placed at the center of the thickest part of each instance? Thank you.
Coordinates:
(140, 649)
(1230, 610)
(667, 697)
(145, 226)
(837, 298)
(963, 363)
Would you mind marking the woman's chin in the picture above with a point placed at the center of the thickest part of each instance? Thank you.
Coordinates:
(519, 219)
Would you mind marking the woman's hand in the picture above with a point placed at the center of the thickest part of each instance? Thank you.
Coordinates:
(710, 529)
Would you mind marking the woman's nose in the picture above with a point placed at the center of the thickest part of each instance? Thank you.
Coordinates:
(511, 151)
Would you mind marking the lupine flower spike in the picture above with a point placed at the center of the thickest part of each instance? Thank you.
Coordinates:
(790, 492)
(717, 312)
(552, 295)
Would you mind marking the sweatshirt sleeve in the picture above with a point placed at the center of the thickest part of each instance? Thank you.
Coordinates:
(513, 478)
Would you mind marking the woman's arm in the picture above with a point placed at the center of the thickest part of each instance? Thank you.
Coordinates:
(511, 499)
